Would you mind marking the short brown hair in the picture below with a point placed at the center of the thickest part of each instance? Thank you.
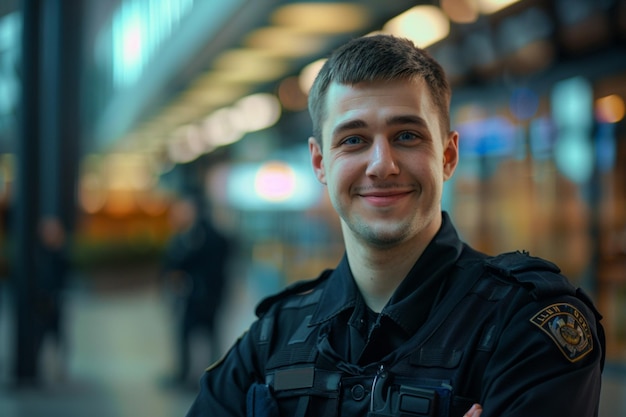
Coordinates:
(379, 58)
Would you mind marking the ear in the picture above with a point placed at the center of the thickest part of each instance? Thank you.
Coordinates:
(450, 155)
(315, 149)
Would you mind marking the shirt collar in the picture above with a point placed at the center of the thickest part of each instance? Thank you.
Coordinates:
(340, 293)
(411, 303)
(425, 284)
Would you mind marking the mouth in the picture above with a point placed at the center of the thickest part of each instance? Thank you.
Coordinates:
(383, 198)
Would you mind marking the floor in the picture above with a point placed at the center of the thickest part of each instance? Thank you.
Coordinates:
(121, 349)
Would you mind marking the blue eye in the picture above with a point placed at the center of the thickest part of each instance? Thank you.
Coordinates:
(352, 140)
(407, 136)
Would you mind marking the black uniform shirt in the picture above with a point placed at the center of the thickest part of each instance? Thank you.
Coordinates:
(532, 370)
(359, 335)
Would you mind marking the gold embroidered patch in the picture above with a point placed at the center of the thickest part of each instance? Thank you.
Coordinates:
(568, 328)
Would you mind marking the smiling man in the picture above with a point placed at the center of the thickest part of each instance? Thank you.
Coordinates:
(413, 321)
(381, 159)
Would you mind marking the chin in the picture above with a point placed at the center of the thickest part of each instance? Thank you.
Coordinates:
(385, 238)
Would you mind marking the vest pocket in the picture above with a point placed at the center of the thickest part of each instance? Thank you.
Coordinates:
(438, 358)
(304, 390)
(410, 397)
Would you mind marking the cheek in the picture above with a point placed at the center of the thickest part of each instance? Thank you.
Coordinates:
(335, 176)
(340, 177)
(428, 173)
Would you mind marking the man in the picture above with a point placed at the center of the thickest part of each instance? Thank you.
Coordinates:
(412, 322)
(54, 268)
(194, 267)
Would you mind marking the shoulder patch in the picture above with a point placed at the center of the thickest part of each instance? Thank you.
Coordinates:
(568, 329)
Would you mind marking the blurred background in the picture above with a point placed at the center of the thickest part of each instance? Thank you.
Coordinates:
(113, 113)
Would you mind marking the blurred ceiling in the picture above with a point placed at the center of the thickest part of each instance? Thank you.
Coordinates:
(158, 69)
(217, 52)
(222, 51)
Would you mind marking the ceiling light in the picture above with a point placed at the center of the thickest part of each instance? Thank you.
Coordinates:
(492, 6)
(308, 74)
(256, 112)
(460, 11)
(220, 127)
(187, 143)
(180, 112)
(284, 42)
(216, 94)
(424, 25)
(322, 17)
(248, 65)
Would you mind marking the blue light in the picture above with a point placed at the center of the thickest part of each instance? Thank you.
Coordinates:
(541, 133)
(572, 103)
(606, 147)
(572, 111)
(524, 103)
(490, 136)
(139, 27)
(574, 155)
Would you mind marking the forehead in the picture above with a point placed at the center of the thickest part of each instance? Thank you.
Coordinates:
(373, 102)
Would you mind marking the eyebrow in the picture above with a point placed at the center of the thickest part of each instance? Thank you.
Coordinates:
(349, 125)
(405, 119)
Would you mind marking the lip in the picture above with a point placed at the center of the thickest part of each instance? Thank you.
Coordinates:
(384, 198)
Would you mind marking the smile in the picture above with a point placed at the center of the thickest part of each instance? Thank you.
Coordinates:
(384, 198)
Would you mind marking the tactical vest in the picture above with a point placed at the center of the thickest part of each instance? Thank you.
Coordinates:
(423, 377)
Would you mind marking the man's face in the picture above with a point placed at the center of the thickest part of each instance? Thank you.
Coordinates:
(384, 161)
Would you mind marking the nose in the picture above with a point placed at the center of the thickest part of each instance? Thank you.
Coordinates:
(382, 163)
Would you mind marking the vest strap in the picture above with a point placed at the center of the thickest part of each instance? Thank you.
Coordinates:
(303, 404)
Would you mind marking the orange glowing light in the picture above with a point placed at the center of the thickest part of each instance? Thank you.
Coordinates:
(610, 109)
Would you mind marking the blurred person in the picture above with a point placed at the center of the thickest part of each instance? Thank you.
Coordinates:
(413, 321)
(194, 268)
(54, 264)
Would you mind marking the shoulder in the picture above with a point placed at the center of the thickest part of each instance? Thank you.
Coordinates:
(525, 280)
(534, 276)
(542, 278)
(298, 294)
(556, 308)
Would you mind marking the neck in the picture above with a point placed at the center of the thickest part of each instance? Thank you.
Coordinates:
(379, 271)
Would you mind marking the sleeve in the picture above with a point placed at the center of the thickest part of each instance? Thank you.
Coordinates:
(224, 385)
(548, 362)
